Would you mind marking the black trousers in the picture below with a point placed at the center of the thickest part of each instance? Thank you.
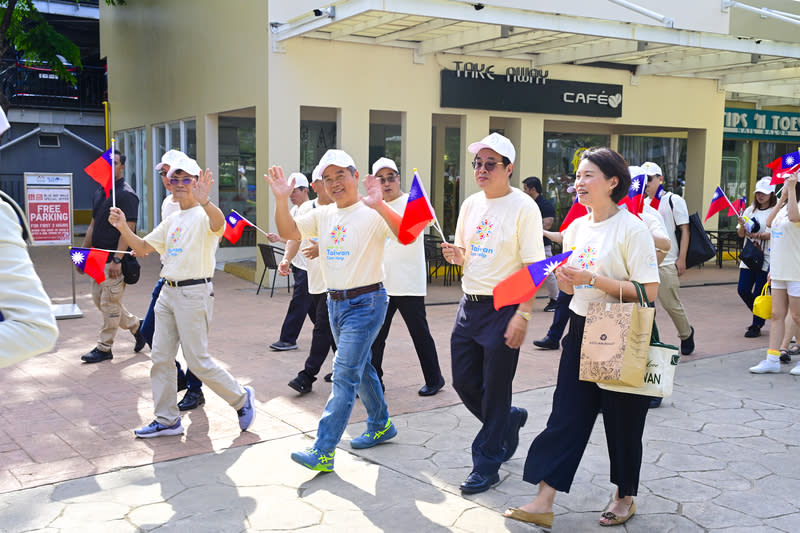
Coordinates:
(412, 309)
(321, 337)
(483, 371)
(299, 307)
(555, 454)
(560, 317)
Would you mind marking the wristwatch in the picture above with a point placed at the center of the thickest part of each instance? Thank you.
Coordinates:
(116, 259)
(594, 279)
(524, 314)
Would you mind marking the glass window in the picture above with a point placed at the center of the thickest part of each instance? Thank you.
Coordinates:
(735, 176)
(179, 135)
(385, 136)
(175, 136)
(237, 158)
(317, 135)
(190, 138)
(131, 143)
(667, 152)
(452, 180)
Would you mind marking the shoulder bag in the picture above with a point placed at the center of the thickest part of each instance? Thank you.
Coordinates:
(700, 248)
(762, 305)
(130, 269)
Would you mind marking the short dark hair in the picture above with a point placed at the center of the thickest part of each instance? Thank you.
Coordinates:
(122, 157)
(533, 183)
(611, 164)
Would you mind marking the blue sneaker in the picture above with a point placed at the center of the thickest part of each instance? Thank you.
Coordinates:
(247, 413)
(156, 429)
(368, 440)
(314, 459)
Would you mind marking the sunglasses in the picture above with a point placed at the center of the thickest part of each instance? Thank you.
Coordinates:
(488, 165)
(391, 178)
(184, 181)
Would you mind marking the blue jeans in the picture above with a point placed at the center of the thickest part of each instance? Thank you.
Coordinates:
(750, 284)
(147, 329)
(355, 323)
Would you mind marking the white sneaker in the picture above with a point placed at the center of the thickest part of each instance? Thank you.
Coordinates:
(796, 370)
(768, 367)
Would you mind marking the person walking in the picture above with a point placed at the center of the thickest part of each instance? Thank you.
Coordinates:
(612, 249)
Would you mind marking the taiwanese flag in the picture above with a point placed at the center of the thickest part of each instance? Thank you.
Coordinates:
(635, 197)
(90, 261)
(656, 200)
(234, 226)
(101, 171)
(783, 166)
(417, 215)
(576, 211)
(522, 285)
(718, 202)
(737, 206)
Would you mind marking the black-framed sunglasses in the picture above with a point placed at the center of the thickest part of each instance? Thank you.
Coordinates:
(488, 165)
(184, 181)
(391, 178)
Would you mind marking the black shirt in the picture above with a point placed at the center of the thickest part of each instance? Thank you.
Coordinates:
(547, 210)
(104, 235)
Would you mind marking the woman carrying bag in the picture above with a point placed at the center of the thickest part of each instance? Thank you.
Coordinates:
(755, 255)
(612, 248)
(784, 219)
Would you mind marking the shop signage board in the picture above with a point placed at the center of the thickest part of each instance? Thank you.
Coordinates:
(481, 86)
(761, 124)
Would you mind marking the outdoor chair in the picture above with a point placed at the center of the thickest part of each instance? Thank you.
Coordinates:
(269, 255)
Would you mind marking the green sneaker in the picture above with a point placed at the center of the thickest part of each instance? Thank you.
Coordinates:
(368, 440)
(314, 459)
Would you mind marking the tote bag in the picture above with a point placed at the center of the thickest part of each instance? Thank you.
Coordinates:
(762, 305)
(700, 247)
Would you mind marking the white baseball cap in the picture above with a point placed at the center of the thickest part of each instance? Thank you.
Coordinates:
(316, 174)
(300, 179)
(651, 169)
(241, 170)
(495, 142)
(763, 185)
(185, 163)
(339, 158)
(169, 158)
(383, 162)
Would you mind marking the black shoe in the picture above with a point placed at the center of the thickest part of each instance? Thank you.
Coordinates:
(547, 343)
(328, 377)
(427, 390)
(181, 381)
(282, 346)
(513, 439)
(477, 482)
(550, 307)
(785, 357)
(139, 338)
(687, 344)
(301, 383)
(191, 400)
(655, 403)
(752, 332)
(97, 355)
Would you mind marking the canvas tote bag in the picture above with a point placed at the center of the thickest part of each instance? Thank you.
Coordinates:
(615, 342)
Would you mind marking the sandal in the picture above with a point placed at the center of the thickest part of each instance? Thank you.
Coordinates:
(785, 357)
(614, 520)
(794, 349)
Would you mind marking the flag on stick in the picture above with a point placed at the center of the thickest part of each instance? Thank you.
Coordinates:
(418, 213)
(522, 285)
(718, 202)
(90, 261)
(635, 197)
(783, 166)
(234, 226)
(737, 206)
(576, 211)
(656, 200)
(102, 171)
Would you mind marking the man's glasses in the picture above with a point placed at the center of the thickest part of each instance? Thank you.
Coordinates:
(488, 165)
(390, 178)
(184, 181)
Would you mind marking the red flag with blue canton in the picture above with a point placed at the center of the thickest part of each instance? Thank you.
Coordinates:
(783, 166)
(718, 202)
(101, 170)
(656, 200)
(522, 285)
(90, 261)
(737, 206)
(234, 226)
(417, 215)
(575, 212)
(635, 198)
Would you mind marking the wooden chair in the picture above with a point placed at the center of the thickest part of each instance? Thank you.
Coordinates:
(269, 255)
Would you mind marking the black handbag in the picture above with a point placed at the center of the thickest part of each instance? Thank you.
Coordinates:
(701, 249)
(752, 256)
(130, 269)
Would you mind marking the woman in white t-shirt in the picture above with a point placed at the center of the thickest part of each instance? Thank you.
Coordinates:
(752, 281)
(611, 248)
(784, 220)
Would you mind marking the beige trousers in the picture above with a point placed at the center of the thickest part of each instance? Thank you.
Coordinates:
(670, 300)
(107, 297)
(183, 315)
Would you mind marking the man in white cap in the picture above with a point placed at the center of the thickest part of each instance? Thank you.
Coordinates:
(300, 305)
(499, 231)
(673, 210)
(351, 237)
(405, 280)
(187, 242)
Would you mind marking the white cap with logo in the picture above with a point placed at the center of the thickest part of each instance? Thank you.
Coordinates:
(763, 185)
(383, 162)
(169, 158)
(300, 179)
(651, 169)
(496, 142)
(339, 158)
(185, 163)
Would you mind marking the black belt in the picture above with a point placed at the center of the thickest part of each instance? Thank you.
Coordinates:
(352, 293)
(479, 297)
(186, 282)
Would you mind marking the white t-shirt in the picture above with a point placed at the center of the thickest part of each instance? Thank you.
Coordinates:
(351, 243)
(299, 260)
(499, 236)
(404, 266)
(674, 216)
(654, 223)
(620, 247)
(785, 247)
(187, 245)
(316, 281)
(760, 215)
(169, 206)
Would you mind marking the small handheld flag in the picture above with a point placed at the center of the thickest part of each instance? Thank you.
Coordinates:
(635, 197)
(575, 212)
(656, 200)
(718, 202)
(101, 171)
(90, 261)
(234, 226)
(783, 166)
(418, 213)
(737, 207)
(522, 285)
